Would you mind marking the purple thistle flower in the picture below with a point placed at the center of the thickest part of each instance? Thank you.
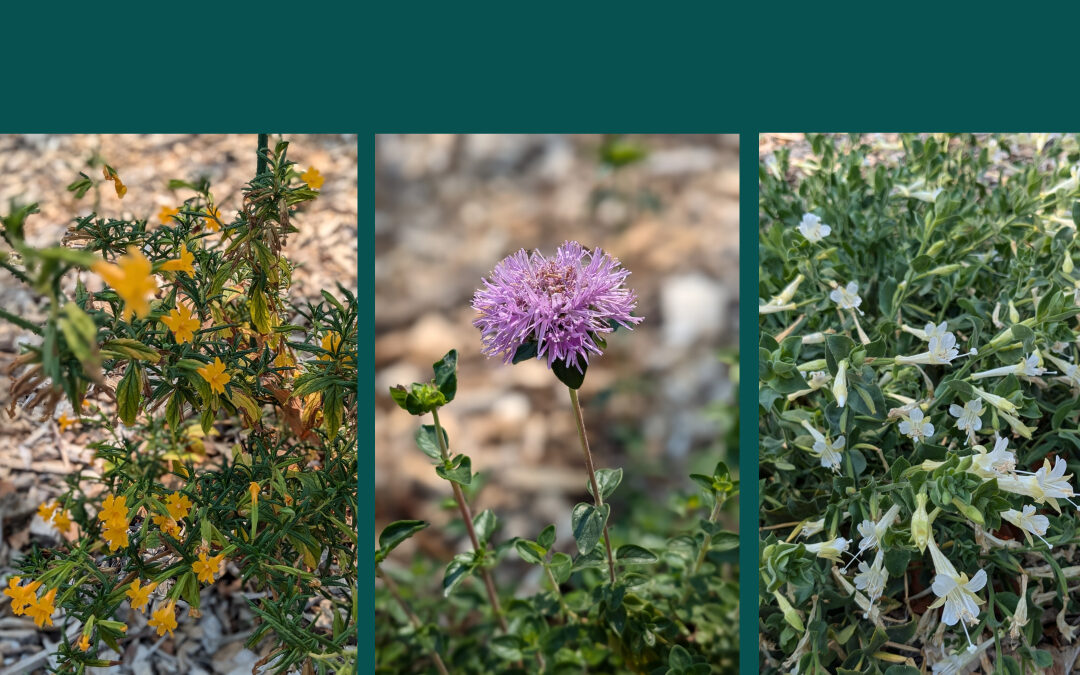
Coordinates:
(562, 304)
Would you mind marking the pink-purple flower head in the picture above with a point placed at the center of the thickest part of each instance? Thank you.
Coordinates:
(560, 304)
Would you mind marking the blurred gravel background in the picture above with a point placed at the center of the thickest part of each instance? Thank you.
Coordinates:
(448, 207)
(35, 457)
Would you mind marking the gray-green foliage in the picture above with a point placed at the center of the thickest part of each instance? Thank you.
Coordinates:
(978, 233)
(673, 610)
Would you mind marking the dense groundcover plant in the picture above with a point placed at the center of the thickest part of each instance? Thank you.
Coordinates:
(193, 334)
(919, 404)
(627, 599)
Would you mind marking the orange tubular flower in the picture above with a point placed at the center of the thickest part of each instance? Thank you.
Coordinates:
(205, 568)
(64, 422)
(110, 174)
(21, 596)
(46, 510)
(140, 595)
(182, 324)
(84, 643)
(215, 375)
(313, 178)
(41, 610)
(167, 524)
(213, 219)
(166, 214)
(164, 619)
(114, 509)
(185, 263)
(178, 505)
(133, 280)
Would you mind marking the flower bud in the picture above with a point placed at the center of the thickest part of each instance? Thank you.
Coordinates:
(839, 388)
(920, 523)
(969, 511)
(943, 269)
(1014, 315)
(790, 615)
(1067, 264)
(935, 248)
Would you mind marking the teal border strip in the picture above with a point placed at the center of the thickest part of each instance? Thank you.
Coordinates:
(748, 407)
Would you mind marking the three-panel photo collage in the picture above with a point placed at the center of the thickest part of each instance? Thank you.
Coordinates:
(783, 403)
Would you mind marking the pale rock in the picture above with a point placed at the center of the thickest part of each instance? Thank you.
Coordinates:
(694, 309)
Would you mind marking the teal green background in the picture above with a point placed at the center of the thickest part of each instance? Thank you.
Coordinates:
(555, 67)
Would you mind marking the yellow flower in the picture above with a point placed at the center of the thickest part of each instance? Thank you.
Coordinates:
(164, 619)
(213, 219)
(253, 488)
(116, 534)
(182, 324)
(62, 521)
(140, 595)
(121, 189)
(215, 375)
(167, 524)
(132, 279)
(41, 610)
(21, 596)
(84, 643)
(64, 421)
(178, 506)
(114, 509)
(166, 214)
(46, 510)
(185, 263)
(205, 568)
(313, 178)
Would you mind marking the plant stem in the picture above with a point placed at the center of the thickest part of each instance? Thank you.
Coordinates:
(599, 500)
(20, 322)
(559, 596)
(264, 141)
(708, 537)
(413, 619)
(466, 515)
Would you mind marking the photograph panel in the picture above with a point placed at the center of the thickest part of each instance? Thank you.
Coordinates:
(918, 400)
(556, 334)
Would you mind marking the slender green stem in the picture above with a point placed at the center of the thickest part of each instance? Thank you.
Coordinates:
(708, 537)
(599, 500)
(466, 515)
(20, 322)
(559, 596)
(264, 142)
(413, 619)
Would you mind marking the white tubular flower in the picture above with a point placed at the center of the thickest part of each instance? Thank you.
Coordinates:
(814, 338)
(955, 664)
(782, 302)
(920, 522)
(929, 332)
(1044, 486)
(1028, 521)
(830, 550)
(1027, 367)
(1069, 372)
(941, 350)
(968, 418)
(1068, 185)
(917, 190)
(956, 592)
(813, 229)
(1002, 404)
(915, 428)
(812, 527)
(839, 388)
(1053, 484)
(847, 297)
(827, 452)
(818, 379)
(871, 579)
(998, 463)
(872, 532)
(1017, 426)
